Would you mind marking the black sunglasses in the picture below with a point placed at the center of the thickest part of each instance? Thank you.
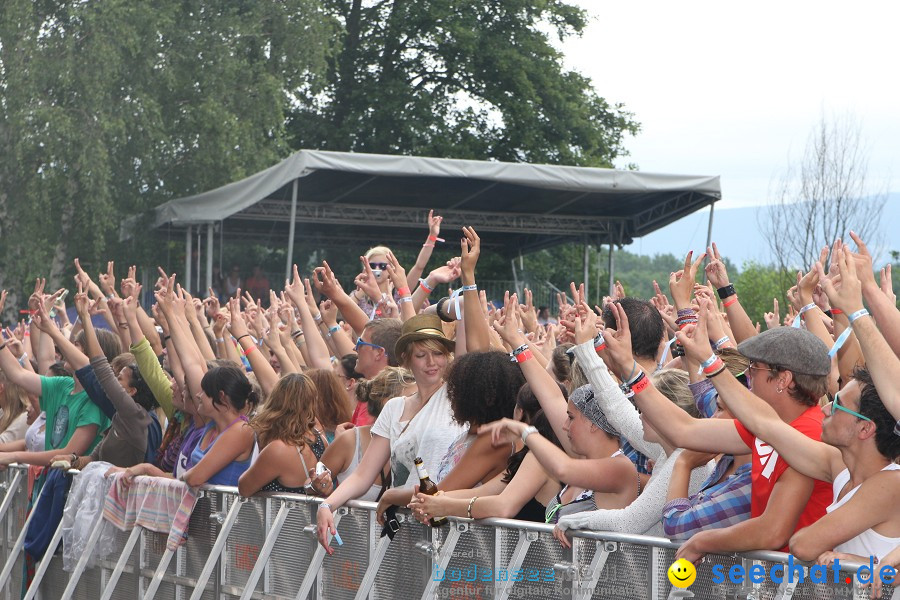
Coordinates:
(381, 266)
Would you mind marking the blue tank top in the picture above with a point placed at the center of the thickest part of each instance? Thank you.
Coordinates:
(233, 471)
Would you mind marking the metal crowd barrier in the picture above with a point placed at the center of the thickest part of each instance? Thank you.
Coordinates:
(265, 547)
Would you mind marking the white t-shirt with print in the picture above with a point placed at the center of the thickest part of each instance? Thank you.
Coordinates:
(429, 436)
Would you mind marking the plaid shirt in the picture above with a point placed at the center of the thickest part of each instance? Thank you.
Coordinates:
(714, 506)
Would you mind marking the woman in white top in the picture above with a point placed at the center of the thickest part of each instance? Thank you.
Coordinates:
(419, 425)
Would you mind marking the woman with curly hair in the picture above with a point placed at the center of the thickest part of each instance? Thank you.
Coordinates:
(285, 428)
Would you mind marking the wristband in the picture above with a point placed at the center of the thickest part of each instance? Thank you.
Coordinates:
(686, 312)
(836, 311)
(469, 288)
(860, 313)
(424, 285)
(714, 367)
(722, 341)
(709, 361)
(404, 299)
(730, 302)
(725, 291)
(599, 343)
(528, 431)
(323, 505)
(4, 345)
(317, 318)
(166, 338)
(239, 338)
(434, 238)
(799, 316)
(296, 334)
(428, 245)
(472, 501)
(249, 350)
(220, 340)
(404, 291)
(520, 358)
(720, 371)
(640, 385)
(332, 330)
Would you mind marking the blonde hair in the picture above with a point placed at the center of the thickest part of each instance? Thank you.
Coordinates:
(389, 383)
(13, 401)
(288, 414)
(430, 344)
(673, 384)
(382, 250)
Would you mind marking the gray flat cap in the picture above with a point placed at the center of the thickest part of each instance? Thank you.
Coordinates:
(794, 349)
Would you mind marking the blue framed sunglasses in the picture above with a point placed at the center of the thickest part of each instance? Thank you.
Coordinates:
(836, 404)
(360, 342)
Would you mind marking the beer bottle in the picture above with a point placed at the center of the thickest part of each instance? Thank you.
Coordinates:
(427, 486)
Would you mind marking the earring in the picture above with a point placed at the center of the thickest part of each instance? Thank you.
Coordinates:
(779, 390)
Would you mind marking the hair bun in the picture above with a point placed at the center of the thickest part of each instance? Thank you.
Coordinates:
(363, 389)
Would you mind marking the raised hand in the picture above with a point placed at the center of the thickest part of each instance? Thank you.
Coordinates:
(773, 319)
(469, 251)
(887, 286)
(108, 280)
(396, 271)
(36, 300)
(434, 224)
(715, 270)
(847, 296)
(367, 282)
(527, 313)
(681, 283)
(695, 338)
(618, 353)
(585, 325)
(324, 280)
(620, 290)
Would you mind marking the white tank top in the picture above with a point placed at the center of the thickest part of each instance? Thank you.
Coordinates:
(867, 543)
(372, 494)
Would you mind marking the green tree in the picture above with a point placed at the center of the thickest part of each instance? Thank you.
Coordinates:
(461, 79)
(109, 108)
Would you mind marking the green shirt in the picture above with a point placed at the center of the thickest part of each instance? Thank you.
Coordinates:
(66, 412)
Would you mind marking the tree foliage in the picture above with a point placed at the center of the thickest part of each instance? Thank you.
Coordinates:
(462, 79)
(109, 108)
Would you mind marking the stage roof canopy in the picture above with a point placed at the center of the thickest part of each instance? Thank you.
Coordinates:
(339, 198)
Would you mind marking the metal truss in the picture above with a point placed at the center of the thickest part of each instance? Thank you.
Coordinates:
(405, 217)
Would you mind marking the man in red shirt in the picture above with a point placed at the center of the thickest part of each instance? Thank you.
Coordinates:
(788, 370)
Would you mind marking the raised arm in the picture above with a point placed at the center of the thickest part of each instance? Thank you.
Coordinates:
(316, 347)
(741, 325)
(602, 475)
(265, 374)
(809, 457)
(326, 283)
(544, 387)
(478, 338)
(684, 431)
(434, 230)
(192, 362)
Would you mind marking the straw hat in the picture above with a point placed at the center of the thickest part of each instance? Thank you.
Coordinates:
(419, 328)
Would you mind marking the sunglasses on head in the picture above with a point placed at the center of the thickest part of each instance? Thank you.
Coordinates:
(374, 266)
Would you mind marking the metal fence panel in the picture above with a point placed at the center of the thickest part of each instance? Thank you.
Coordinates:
(488, 559)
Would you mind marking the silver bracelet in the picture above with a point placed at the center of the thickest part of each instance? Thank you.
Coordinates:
(528, 431)
(324, 505)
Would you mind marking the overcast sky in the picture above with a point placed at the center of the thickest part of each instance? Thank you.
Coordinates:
(734, 89)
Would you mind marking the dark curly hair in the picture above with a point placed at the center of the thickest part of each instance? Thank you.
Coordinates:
(646, 325)
(482, 387)
(870, 405)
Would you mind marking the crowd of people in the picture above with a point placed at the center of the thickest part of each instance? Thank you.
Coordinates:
(667, 417)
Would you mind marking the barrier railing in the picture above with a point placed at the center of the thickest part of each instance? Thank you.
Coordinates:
(265, 547)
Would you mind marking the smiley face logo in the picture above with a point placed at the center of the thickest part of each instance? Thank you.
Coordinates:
(682, 573)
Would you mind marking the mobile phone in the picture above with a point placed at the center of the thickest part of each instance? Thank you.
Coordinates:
(321, 468)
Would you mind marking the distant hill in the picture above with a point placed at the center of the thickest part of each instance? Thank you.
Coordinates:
(737, 233)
